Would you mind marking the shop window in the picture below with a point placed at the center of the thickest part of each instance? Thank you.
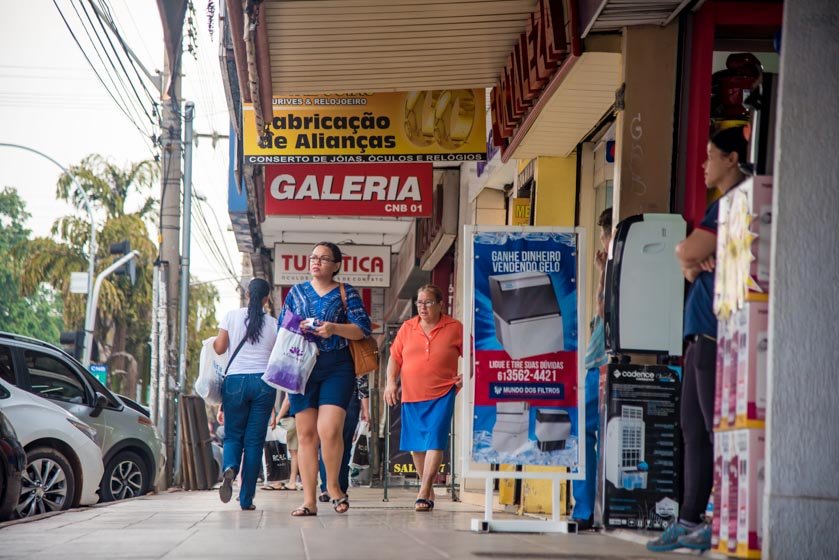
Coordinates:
(7, 366)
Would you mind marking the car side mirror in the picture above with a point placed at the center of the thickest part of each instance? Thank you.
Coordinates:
(101, 403)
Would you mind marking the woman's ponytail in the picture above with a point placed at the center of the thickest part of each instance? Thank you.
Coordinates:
(258, 290)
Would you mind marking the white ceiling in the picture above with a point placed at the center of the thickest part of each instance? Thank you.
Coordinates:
(326, 46)
(580, 101)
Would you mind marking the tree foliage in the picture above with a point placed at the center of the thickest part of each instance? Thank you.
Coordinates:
(37, 314)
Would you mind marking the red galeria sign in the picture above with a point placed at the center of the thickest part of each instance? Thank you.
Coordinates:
(355, 189)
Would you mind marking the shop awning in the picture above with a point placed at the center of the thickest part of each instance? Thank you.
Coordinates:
(613, 15)
(330, 46)
(579, 95)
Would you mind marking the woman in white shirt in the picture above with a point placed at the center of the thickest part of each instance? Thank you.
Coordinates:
(247, 401)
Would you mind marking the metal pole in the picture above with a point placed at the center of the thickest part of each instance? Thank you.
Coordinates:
(154, 343)
(91, 257)
(189, 114)
(91, 318)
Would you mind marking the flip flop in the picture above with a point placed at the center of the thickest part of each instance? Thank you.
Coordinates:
(324, 497)
(423, 505)
(303, 511)
(279, 488)
(336, 504)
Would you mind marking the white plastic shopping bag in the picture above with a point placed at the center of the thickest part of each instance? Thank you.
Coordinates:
(293, 357)
(360, 454)
(211, 373)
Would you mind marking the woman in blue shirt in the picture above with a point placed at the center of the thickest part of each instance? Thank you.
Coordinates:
(320, 411)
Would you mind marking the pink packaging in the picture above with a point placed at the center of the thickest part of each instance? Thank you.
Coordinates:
(730, 362)
(722, 337)
(748, 455)
(733, 476)
(718, 496)
(761, 207)
(725, 447)
(753, 340)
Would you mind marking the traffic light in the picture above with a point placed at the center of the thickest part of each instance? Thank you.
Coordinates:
(130, 268)
(73, 343)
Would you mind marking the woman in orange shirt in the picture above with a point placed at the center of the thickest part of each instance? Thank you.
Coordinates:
(425, 354)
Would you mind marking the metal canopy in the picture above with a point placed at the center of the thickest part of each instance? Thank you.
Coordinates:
(329, 46)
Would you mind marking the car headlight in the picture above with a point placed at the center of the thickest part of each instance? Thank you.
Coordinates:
(84, 428)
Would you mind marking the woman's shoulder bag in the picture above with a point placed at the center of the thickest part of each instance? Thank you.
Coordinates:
(365, 352)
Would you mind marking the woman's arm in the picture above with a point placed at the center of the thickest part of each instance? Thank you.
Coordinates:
(393, 369)
(346, 330)
(222, 342)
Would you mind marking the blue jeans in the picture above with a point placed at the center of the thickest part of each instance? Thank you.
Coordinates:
(247, 403)
(585, 490)
(350, 422)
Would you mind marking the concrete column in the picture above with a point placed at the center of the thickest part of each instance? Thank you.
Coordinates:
(801, 502)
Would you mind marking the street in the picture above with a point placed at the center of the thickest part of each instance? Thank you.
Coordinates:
(198, 525)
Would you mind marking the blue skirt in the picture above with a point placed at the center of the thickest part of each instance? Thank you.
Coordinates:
(426, 424)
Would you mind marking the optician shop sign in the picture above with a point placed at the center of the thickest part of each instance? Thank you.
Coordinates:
(438, 125)
(358, 189)
(362, 266)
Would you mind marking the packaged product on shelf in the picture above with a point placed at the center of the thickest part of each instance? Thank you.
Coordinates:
(748, 460)
(725, 446)
(729, 378)
(641, 447)
(753, 341)
(722, 339)
(717, 494)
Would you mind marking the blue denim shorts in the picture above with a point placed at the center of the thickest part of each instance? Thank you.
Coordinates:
(331, 382)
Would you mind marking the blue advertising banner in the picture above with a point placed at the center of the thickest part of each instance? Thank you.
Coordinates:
(525, 329)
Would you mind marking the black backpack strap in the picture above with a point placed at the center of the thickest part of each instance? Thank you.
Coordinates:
(233, 357)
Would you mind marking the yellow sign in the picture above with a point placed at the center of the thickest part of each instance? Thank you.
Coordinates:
(438, 125)
(521, 212)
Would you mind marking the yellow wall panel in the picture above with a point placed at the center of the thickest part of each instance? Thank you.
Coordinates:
(556, 191)
(536, 494)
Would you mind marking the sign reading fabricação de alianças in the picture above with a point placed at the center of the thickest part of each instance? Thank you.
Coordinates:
(438, 125)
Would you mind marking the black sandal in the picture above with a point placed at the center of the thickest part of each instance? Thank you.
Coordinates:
(424, 505)
(324, 497)
(336, 504)
(303, 511)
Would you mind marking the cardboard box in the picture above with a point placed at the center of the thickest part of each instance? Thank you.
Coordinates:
(752, 351)
(717, 493)
(761, 226)
(641, 446)
(745, 539)
(731, 363)
(722, 340)
(725, 452)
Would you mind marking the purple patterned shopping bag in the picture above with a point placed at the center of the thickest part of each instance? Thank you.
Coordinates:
(293, 357)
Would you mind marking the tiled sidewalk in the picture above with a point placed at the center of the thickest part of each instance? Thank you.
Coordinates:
(198, 525)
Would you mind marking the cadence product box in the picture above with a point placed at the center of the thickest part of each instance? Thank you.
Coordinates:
(717, 491)
(722, 345)
(641, 447)
(745, 533)
(752, 349)
(528, 321)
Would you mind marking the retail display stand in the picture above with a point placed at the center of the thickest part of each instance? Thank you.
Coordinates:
(521, 363)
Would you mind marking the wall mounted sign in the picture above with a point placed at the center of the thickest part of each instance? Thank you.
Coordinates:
(358, 189)
(438, 125)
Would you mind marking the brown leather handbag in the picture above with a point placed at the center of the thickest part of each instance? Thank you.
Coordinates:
(365, 352)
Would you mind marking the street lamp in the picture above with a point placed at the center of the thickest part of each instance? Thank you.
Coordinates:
(91, 258)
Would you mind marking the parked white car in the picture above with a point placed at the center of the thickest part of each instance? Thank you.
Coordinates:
(63, 460)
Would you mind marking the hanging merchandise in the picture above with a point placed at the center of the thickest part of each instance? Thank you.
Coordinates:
(731, 87)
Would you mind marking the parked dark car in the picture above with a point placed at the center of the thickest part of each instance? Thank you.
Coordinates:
(12, 463)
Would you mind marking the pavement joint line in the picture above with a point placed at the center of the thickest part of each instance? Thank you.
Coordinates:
(199, 521)
(424, 544)
(190, 534)
(305, 546)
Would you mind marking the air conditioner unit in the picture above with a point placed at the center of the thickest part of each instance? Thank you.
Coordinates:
(625, 464)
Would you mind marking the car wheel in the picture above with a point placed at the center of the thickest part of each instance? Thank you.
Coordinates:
(126, 476)
(47, 483)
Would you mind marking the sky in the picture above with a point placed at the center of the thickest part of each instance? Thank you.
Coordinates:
(52, 101)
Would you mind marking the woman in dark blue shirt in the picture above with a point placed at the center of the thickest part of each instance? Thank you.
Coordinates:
(320, 411)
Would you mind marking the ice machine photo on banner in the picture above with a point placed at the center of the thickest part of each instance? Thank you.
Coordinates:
(525, 329)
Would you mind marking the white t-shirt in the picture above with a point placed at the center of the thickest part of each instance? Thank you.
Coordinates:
(252, 358)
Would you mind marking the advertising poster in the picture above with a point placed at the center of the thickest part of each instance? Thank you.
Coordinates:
(400, 127)
(363, 266)
(525, 337)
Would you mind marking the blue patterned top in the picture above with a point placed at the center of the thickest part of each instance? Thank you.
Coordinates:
(305, 301)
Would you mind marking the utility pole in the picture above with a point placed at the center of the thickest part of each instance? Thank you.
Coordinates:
(189, 115)
(170, 219)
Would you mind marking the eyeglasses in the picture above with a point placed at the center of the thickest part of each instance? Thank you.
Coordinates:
(317, 259)
(426, 303)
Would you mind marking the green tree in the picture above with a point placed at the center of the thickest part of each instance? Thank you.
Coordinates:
(124, 310)
(39, 314)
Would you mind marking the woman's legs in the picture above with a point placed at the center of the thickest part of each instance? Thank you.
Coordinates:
(307, 454)
(431, 466)
(259, 398)
(330, 428)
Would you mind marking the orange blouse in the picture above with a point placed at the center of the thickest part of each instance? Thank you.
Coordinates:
(428, 363)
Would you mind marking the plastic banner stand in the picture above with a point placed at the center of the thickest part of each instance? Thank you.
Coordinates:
(524, 525)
